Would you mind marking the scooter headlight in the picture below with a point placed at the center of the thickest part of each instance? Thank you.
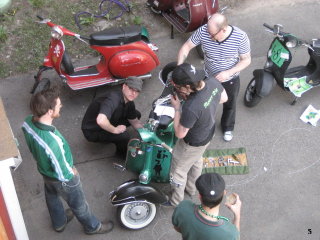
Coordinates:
(291, 44)
(56, 33)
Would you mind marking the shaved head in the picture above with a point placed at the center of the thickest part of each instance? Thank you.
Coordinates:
(218, 21)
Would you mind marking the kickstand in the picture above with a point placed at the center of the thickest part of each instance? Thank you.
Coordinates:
(294, 101)
(172, 36)
(94, 93)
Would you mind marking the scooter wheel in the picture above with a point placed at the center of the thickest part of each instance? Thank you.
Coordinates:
(136, 215)
(200, 51)
(166, 71)
(43, 84)
(155, 10)
(251, 98)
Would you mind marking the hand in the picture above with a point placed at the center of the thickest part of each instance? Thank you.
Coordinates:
(183, 95)
(120, 129)
(223, 76)
(175, 102)
(75, 171)
(235, 208)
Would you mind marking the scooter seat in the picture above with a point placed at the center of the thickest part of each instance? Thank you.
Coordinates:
(116, 36)
(164, 121)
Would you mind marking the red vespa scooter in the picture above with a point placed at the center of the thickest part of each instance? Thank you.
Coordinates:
(185, 15)
(124, 52)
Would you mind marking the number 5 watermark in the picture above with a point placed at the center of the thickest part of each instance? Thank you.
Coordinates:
(310, 233)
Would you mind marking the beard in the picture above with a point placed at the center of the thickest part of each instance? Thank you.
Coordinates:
(183, 95)
(56, 114)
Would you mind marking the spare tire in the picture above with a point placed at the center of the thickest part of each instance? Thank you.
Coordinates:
(166, 71)
(200, 51)
(43, 84)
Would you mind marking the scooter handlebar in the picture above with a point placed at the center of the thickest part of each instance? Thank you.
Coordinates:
(51, 24)
(166, 147)
(272, 29)
(300, 42)
(268, 26)
(84, 37)
(44, 20)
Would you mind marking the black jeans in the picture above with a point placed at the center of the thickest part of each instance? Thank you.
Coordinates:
(228, 117)
(120, 140)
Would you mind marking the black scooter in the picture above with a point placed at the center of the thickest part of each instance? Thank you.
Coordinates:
(297, 80)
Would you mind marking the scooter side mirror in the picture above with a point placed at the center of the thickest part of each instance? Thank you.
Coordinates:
(316, 42)
(277, 28)
(291, 41)
(221, 10)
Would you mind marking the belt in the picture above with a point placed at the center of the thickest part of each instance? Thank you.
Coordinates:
(195, 144)
(233, 78)
(50, 179)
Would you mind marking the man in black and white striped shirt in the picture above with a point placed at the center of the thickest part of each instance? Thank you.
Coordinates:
(226, 52)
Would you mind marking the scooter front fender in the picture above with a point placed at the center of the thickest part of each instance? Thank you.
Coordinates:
(133, 191)
(264, 82)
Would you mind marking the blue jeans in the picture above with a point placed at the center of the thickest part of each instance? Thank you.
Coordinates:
(72, 193)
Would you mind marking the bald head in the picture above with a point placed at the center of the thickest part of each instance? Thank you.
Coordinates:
(218, 21)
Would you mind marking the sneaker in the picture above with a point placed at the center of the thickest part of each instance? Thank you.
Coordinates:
(69, 215)
(227, 136)
(105, 227)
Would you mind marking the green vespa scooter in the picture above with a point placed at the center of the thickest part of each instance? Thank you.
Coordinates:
(149, 157)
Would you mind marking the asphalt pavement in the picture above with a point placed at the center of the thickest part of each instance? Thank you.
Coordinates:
(280, 195)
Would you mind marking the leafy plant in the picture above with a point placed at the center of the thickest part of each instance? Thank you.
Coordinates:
(37, 3)
(131, 5)
(107, 16)
(86, 20)
(137, 20)
(4, 69)
(3, 34)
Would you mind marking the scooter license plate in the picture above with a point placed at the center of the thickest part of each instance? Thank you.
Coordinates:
(278, 53)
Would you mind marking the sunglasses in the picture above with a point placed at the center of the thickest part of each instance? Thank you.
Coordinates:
(214, 35)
